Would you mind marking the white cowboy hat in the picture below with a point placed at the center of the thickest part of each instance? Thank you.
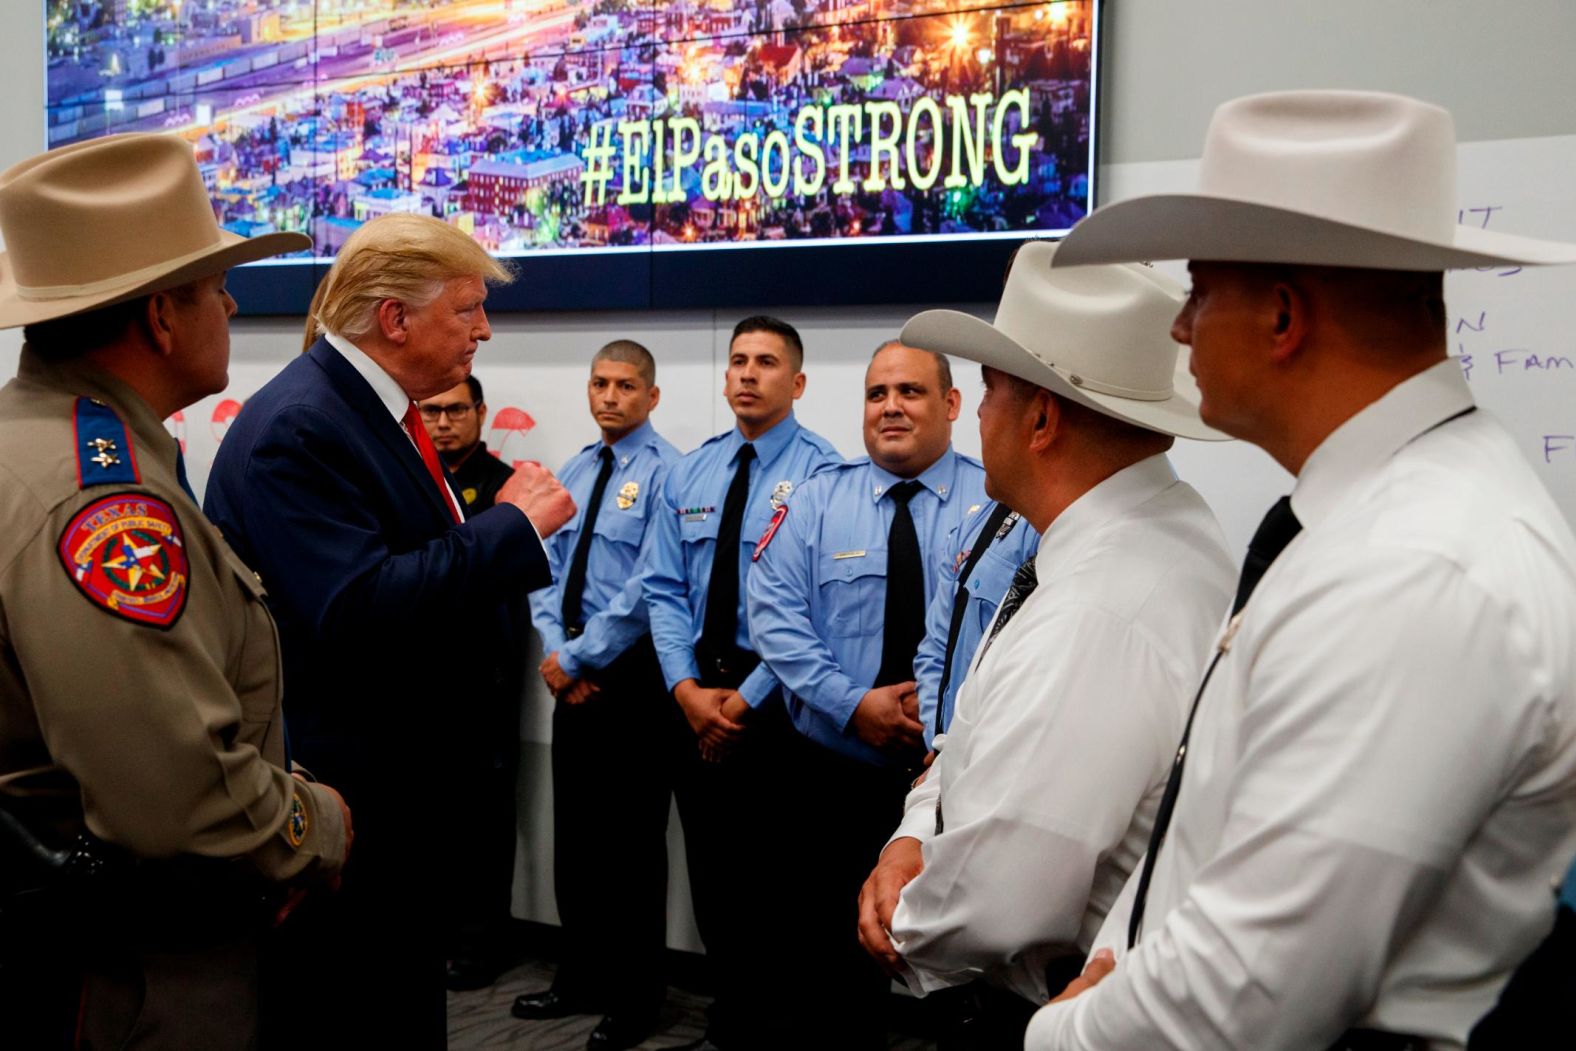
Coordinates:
(1099, 336)
(110, 219)
(1333, 178)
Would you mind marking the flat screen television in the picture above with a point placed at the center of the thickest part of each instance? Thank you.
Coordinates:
(624, 153)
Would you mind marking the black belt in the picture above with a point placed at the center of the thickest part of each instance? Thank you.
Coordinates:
(48, 886)
(724, 667)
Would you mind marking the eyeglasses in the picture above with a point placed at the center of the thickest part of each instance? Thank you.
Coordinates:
(456, 412)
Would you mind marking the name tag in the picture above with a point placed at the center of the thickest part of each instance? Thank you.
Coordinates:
(848, 554)
(698, 516)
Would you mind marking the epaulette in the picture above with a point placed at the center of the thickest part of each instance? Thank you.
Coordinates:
(105, 455)
(815, 440)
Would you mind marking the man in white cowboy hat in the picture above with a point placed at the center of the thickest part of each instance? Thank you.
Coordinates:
(140, 728)
(1375, 795)
(1039, 804)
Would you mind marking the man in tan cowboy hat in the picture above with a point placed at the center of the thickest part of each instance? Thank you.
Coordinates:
(1016, 842)
(1375, 792)
(148, 821)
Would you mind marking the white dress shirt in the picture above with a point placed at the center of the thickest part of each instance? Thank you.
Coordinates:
(1381, 781)
(1065, 726)
(389, 392)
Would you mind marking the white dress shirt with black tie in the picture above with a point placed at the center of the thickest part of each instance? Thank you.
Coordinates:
(1063, 737)
(1381, 781)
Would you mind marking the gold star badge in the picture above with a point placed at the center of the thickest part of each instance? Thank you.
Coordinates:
(627, 495)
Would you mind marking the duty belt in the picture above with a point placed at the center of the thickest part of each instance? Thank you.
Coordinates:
(44, 885)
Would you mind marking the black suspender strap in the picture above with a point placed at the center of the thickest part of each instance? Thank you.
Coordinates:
(960, 600)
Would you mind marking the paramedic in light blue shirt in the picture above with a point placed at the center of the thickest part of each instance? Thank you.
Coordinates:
(837, 605)
(729, 773)
(1008, 546)
(612, 713)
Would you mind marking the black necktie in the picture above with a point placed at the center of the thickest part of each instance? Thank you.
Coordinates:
(721, 627)
(903, 624)
(1024, 581)
(1277, 530)
(960, 604)
(575, 584)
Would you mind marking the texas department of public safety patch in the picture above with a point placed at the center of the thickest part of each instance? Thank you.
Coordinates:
(126, 554)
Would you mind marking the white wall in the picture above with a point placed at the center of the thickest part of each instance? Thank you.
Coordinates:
(1502, 68)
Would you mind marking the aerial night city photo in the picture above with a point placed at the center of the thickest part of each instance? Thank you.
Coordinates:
(539, 125)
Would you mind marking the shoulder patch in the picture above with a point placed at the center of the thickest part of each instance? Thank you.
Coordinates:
(125, 553)
(296, 824)
(104, 452)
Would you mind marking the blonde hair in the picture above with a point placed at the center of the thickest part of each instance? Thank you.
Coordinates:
(395, 256)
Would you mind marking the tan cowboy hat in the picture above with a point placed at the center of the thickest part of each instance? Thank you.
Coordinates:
(110, 219)
(1332, 178)
(1098, 335)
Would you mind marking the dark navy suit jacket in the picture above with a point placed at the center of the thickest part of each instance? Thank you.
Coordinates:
(379, 596)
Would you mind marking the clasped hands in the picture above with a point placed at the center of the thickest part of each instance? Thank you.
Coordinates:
(718, 717)
(561, 685)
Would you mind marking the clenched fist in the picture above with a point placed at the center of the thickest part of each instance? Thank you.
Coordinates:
(535, 491)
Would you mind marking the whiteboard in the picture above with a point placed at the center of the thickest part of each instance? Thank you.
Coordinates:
(1513, 330)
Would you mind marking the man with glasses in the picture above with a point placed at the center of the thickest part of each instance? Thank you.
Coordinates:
(479, 924)
(454, 419)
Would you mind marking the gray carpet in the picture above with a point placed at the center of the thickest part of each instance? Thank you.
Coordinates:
(481, 1019)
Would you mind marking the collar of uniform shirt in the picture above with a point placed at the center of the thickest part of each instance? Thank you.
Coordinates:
(939, 474)
(768, 445)
(81, 377)
(630, 443)
(388, 390)
(1360, 445)
(1078, 525)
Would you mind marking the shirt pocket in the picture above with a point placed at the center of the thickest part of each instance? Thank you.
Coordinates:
(852, 592)
(621, 528)
(697, 536)
(987, 586)
(254, 662)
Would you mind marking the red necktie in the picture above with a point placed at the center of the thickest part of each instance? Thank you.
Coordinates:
(429, 456)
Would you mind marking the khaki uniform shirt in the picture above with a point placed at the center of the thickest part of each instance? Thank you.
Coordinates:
(164, 736)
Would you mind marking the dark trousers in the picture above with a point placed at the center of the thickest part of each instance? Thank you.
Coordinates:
(981, 1017)
(480, 873)
(378, 944)
(125, 979)
(612, 782)
(738, 864)
(847, 811)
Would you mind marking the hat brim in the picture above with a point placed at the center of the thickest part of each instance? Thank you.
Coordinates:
(1224, 229)
(955, 333)
(230, 251)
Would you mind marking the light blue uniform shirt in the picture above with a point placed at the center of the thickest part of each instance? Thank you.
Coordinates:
(684, 539)
(986, 586)
(817, 596)
(612, 605)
